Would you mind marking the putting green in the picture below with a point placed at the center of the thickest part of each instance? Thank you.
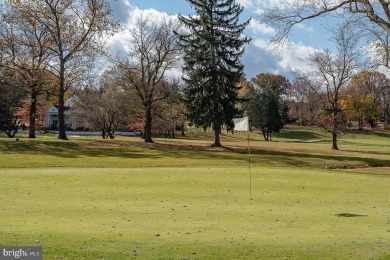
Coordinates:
(196, 213)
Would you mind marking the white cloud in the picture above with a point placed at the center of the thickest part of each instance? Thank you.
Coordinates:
(259, 11)
(175, 73)
(121, 9)
(304, 27)
(296, 57)
(260, 28)
(246, 3)
(261, 56)
(376, 56)
(287, 4)
(262, 44)
(151, 14)
(119, 43)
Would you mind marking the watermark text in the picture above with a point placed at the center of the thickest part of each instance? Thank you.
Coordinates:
(21, 253)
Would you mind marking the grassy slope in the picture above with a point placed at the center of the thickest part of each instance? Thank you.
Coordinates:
(107, 201)
(288, 150)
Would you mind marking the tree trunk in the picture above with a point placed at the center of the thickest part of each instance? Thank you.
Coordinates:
(103, 133)
(335, 126)
(360, 123)
(61, 116)
(11, 128)
(33, 114)
(334, 141)
(61, 104)
(265, 134)
(217, 132)
(11, 132)
(148, 124)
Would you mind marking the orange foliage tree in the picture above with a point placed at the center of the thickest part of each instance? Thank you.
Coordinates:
(363, 97)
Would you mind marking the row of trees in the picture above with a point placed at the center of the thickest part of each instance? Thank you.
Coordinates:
(55, 43)
(333, 95)
(212, 43)
(269, 100)
(333, 86)
(116, 105)
(365, 99)
(50, 47)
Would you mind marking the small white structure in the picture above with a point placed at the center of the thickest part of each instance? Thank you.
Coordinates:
(73, 119)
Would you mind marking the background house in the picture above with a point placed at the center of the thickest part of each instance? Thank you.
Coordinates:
(73, 119)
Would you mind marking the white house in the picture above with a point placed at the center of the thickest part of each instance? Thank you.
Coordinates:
(73, 119)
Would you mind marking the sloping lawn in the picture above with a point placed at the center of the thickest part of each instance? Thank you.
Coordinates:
(88, 198)
(47, 151)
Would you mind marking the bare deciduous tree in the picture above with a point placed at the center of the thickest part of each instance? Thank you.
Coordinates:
(153, 51)
(105, 105)
(386, 106)
(11, 96)
(369, 19)
(104, 110)
(25, 49)
(77, 30)
(289, 13)
(302, 104)
(332, 72)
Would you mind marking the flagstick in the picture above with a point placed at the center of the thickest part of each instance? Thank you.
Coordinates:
(242, 124)
(250, 172)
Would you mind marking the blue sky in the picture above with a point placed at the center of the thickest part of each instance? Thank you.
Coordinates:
(169, 6)
(260, 55)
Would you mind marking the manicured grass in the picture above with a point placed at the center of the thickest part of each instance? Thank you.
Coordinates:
(195, 213)
(88, 198)
(47, 151)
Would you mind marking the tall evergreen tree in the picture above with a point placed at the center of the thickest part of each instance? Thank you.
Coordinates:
(213, 46)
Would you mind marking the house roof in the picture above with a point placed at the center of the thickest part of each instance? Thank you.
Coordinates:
(65, 107)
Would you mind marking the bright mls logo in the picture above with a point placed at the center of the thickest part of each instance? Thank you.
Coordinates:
(21, 253)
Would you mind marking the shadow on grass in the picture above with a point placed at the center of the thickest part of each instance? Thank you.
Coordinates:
(303, 159)
(372, 152)
(349, 215)
(381, 134)
(136, 149)
(115, 148)
(300, 134)
(67, 149)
